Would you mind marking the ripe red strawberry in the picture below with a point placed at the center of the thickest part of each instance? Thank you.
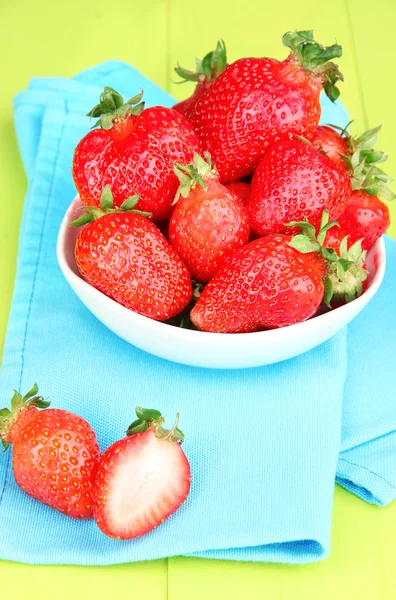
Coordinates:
(257, 101)
(240, 189)
(55, 453)
(126, 257)
(208, 221)
(294, 180)
(207, 71)
(333, 143)
(142, 479)
(276, 281)
(365, 218)
(133, 152)
(265, 284)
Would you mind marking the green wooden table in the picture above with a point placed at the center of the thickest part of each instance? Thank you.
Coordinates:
(58, 38)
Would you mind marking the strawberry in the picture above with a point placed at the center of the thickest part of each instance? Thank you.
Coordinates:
(240, 189)
(365, 218)
(142, 479)
(277, 280)
(293, 180)
(208, 221)
(55, 453)
(133, 152)
(333, 143)
(125, 256)
(257, 101)
(207, 70)
(265, 284)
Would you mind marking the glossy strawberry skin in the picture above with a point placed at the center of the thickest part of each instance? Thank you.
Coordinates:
(365, 218)
(55, 458)
(240, 189)
(265, 284)
(206, 227)
(127, 258)
(253, 103)
(294, 180)
(160, 508)
(186, 107)
(333, 144)
(135, 156)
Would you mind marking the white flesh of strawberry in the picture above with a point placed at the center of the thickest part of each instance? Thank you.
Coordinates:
(148, 482)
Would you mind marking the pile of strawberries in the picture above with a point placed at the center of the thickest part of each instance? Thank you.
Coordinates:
(234, 211)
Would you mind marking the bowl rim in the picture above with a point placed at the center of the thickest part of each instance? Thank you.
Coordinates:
(179, 332)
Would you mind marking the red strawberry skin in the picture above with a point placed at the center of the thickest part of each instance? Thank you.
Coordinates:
(140, 482)
(333, 144)
(55, 458)
(240, 189)
(294, 180)
(186, 107)
(126, 257)
(265, 284)
(253, 103)
(365, 218)
(206, 227)
(135, 156)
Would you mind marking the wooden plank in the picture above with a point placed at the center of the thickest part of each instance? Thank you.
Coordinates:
(85, 583)
(373, 27)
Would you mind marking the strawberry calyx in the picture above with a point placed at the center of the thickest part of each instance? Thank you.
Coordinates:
(314, 59)
(345, 271)
(106, 207)
(208, 68)
(346, 284)
(112, 107)
(198, 172)
(19, 405)
(362, 160)
(148, 418)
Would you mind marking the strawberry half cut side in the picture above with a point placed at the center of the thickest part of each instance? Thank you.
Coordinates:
(142, 479)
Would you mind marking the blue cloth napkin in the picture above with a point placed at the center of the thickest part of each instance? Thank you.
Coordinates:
(264, 443)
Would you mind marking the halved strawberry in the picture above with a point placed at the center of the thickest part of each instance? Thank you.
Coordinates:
(142, 479)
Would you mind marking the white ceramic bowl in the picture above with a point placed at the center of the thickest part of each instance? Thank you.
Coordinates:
(216, 350)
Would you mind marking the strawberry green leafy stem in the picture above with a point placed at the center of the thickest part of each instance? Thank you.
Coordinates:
(196, 173)
(18, 404)
(366, 176)
(106, 208)
(346, 271)
(112, 107)
(148, 418)
(314, 58)
(208, 68)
